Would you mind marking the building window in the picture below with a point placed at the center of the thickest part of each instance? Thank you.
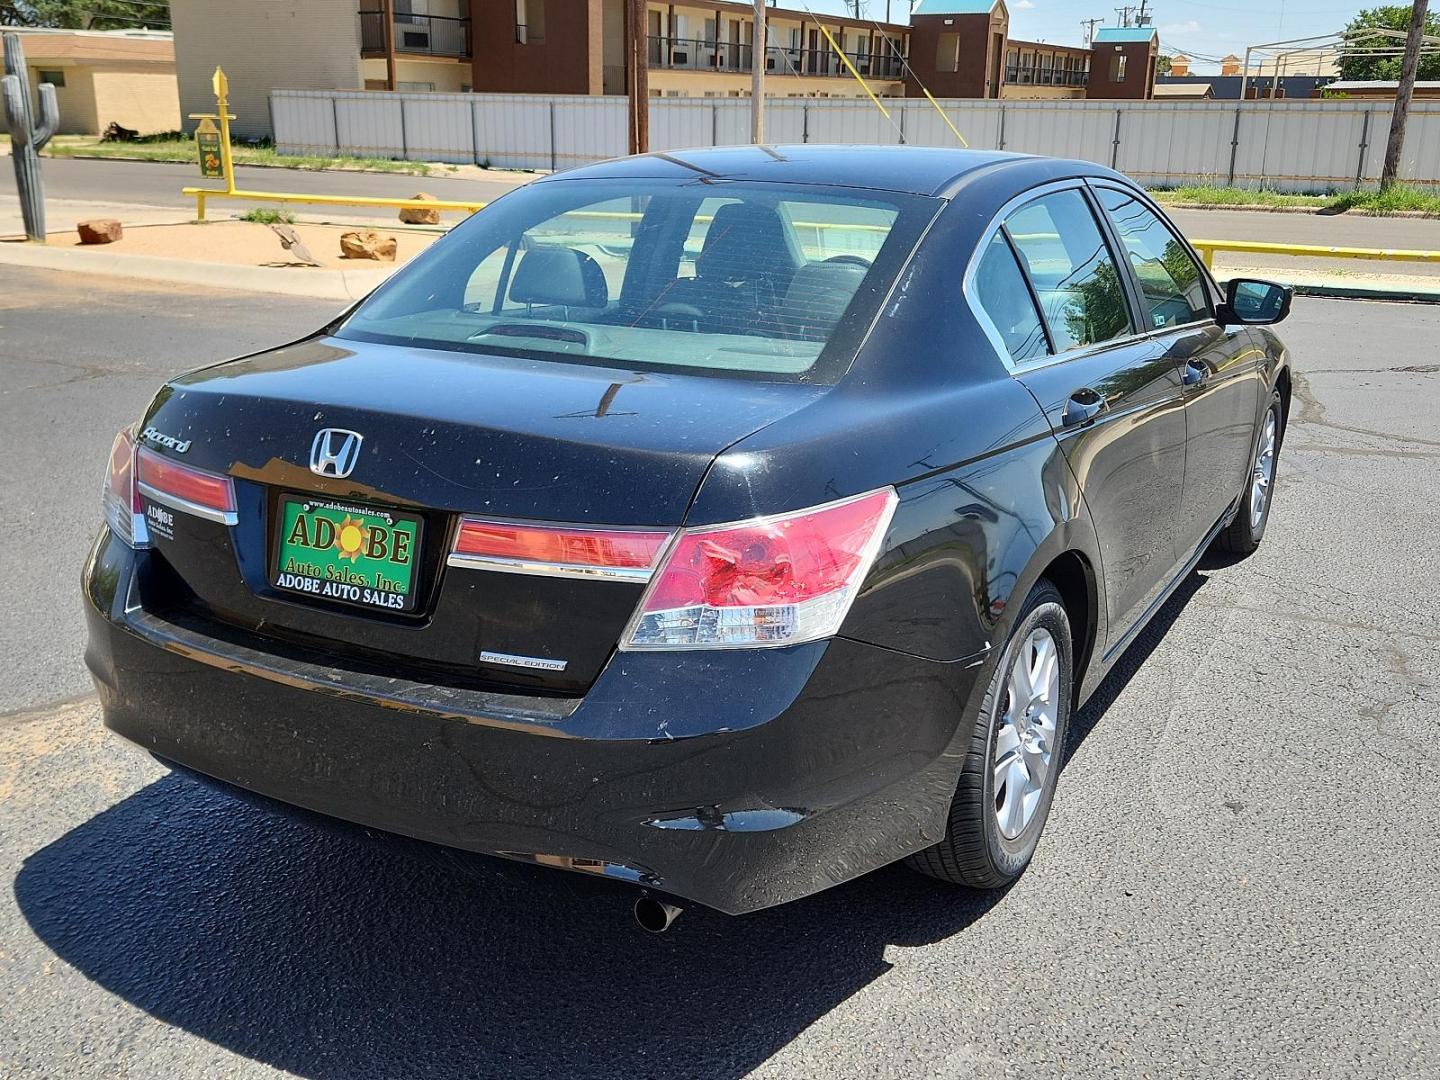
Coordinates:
(54, 78)
(1117, 68)
(529, 21)
(947, 52)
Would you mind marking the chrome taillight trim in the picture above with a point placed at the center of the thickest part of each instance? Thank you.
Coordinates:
(185, 506)
(635, 575)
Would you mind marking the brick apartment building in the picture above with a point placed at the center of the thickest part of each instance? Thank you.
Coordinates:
(694, 48)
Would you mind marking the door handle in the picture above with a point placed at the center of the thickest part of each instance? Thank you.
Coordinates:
(1081, 407)
(1193, 373)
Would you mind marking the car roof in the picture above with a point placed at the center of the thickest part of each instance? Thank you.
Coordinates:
(918, 170)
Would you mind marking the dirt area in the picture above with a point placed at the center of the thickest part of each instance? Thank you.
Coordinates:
(246, 243)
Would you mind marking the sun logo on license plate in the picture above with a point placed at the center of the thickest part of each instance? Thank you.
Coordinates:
(350, 538)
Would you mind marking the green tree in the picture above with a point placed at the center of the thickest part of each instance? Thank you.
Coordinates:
(1386, 67)
(85, 14)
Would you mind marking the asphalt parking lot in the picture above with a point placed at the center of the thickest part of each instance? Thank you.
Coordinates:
(1238, 879)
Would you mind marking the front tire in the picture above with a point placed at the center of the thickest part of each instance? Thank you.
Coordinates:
(1013, 760)
(1243, 535)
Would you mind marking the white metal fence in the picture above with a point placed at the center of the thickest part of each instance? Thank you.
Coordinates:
(1289, 146)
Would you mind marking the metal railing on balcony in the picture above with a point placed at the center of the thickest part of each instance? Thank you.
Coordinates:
(699, 54)
(1020, 75)
(425, 35)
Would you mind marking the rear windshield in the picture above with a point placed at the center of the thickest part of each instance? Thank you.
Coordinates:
(769, 281)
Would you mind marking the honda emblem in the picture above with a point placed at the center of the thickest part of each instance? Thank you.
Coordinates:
(334, 452)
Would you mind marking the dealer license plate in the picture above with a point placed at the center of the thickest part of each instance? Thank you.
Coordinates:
(347, 553)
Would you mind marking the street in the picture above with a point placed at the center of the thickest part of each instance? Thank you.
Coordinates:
(1238, 877)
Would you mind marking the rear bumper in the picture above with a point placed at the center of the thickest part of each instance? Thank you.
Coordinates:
(737, 780)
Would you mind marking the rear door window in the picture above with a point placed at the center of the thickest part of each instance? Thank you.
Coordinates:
(1072, 269)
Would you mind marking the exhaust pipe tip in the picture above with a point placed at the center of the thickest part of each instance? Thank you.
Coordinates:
(655, 916)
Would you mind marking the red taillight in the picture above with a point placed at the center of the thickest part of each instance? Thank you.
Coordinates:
(554, 549)
(119, 498)
(184, 488)
(772, 581)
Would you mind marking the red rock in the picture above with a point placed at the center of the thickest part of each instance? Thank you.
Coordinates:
(100, 231)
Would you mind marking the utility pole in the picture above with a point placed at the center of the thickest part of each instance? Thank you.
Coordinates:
(1089, 25)
(1403, 93)
(387, 16)
(637, 76)
(759, 55)
(1124, 13)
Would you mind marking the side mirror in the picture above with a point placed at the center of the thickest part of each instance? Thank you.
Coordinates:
(1255, 302)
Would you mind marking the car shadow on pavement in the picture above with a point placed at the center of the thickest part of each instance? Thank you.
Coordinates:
(323, 953)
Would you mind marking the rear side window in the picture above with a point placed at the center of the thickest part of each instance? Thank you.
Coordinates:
(1072, 270)
(1170, 280)
(1001, 290)
(772, 281)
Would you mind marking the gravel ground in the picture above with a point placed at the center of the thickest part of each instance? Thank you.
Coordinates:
(1238, 878)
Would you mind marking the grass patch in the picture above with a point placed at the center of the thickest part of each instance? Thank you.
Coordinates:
(1217, 195)
(178, 146)
(1398, 199)
(269, 217)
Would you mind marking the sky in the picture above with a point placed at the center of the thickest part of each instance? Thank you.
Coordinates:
(1203, 29)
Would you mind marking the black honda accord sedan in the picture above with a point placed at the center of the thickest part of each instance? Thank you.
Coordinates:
(730, 522)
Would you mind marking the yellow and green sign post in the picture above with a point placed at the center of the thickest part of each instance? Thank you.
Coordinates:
(212, 144)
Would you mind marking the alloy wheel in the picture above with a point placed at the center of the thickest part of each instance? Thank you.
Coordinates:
(1025, 747)
(1263, 473)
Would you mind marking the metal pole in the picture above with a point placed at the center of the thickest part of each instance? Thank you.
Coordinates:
(1403, 93)
(1234, 147)
(1244, 72)
(221, 86)
(1364, 145)
(759, 53)
(554, 157)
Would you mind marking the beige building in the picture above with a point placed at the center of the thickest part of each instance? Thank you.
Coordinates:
(265, 45)
(125, 77)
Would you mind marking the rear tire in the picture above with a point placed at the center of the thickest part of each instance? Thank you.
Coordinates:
(1013, 759)
(1243, 535)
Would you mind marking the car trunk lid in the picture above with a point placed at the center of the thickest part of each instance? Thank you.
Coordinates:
(441, 435)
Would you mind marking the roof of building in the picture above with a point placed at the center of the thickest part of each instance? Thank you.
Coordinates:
(1183, 90)
(955, 7)
(918, 170)
(1379, 84)
(81, 46)
(1112, 35)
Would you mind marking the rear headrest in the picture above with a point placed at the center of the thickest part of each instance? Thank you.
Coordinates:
(744, 241)
(818, 295)
(559, 275)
